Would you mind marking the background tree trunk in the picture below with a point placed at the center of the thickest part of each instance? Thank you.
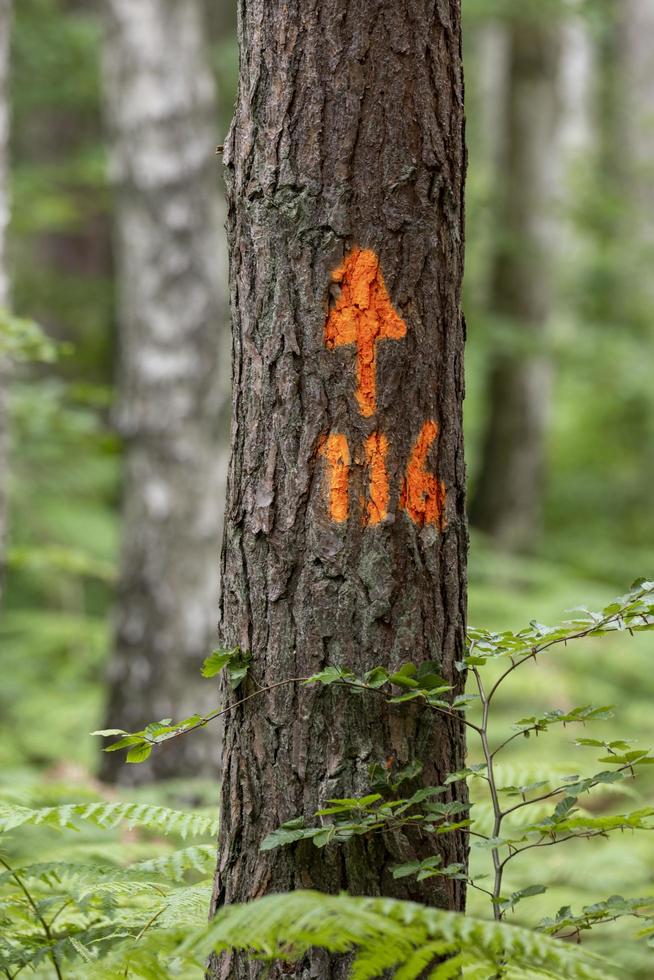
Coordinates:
(173, 397)
(5, 34)
(635, 149)
(348, 136)
(508, 493)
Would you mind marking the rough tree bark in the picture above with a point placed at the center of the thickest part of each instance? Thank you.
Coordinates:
(5, 34)
(508, 493)
(173, 371)
(345, 534)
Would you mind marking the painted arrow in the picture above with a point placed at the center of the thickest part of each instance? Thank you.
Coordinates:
(363, 315)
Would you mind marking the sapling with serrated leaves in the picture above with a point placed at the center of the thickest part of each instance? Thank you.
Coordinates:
(394, 803)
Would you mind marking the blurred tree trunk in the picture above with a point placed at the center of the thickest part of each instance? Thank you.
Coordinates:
(345, 537)
(508, 493)
(635, 147)
(173, 373)
(5, 34)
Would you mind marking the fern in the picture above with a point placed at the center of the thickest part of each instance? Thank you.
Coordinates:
(176, 865)
(382, 936)
(186, 906)
(387, 934)
(110, 815)
(79, 912)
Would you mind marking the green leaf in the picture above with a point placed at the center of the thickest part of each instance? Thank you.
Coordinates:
(288, 833)
(237, 674)
(376, 677)
(347, 805)
(136, 739)
(413, 867)
(405, 676)
(523, 790)
(217, 661)
(330, 675)
(507, 904)
(456, 777)
(139, 753)
(24, 340)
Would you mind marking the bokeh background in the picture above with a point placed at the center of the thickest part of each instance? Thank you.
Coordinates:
(559, 302)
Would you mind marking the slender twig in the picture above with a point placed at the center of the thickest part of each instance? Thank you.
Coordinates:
(548, 843)
(299, 680)
(150, 923)
(497, 810)
(424, 702)
(480, 889)
(46, 928)
(230, 707)
(532, 653)
(68, 902)
(532, 728)
(553, 792)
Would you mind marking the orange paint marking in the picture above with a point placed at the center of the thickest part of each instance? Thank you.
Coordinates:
(363, 315)
(379, 492)
(336, 451)
(423, 494)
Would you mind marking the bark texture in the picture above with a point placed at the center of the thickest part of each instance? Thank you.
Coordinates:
(508, 494)
(347, 142)
(5, 34)
(173, 405)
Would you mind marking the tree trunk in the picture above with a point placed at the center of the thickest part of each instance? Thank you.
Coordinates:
(634, 134)
(5, 34)
(345, 534)
(173, 390)
(509, 491)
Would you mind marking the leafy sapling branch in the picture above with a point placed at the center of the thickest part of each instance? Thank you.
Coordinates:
(388, 807)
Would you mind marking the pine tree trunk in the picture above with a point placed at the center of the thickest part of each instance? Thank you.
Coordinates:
(345, 534)
(173, 370)
(509, 491)
(5, 34)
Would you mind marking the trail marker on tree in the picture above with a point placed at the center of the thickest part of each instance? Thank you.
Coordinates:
(364, 315)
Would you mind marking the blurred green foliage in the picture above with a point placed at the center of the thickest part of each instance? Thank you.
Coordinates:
(65, 470)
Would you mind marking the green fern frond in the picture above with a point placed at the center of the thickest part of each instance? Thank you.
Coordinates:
(163, 871)
(176, 865)
(387, 934)
(154, 957)
(109, 815)
(186, 906)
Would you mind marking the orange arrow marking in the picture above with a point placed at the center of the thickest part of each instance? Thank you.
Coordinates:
(378, 493)
(423, 495)
(363, 315)
(337, 453)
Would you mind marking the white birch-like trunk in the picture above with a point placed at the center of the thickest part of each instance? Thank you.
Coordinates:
(5, 34)
(636, 122)
(173, 402)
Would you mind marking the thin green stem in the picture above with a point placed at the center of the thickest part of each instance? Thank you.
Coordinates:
(302, 680)
(46, 928)
(458, 716)
(553, 792)
(480, 889)
(150, 923)
(497, 810)
(230, 707)
(538, 649)
(548, 843)
(532, 728)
